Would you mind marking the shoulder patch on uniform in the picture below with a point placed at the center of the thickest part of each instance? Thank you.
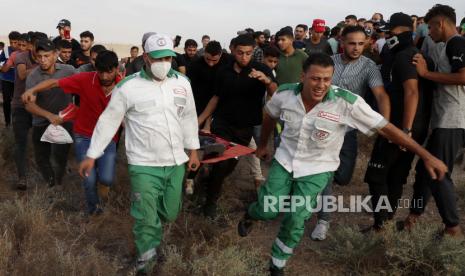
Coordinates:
(123, 81)
(345, 95)
(289, 86)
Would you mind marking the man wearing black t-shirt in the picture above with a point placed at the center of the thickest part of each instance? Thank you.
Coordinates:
(411, 96)
(447, 118)
(236, 108)
(82, 56)
(190, 54)
(202, 74)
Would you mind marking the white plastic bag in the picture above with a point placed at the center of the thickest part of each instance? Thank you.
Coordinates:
(56, 135)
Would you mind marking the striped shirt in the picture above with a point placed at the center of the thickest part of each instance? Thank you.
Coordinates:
(356, 76)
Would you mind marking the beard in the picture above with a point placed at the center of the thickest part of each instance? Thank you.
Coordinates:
(107, 82)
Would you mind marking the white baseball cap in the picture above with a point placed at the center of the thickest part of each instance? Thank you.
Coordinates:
(159, 46)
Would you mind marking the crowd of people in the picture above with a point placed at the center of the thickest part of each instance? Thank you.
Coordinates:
(309, 89)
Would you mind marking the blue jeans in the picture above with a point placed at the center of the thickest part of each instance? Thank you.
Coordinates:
(103, 171)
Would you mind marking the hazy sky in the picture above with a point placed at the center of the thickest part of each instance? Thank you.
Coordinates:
(126, 21)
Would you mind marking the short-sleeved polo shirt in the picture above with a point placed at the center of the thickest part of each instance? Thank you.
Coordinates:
(311, 142)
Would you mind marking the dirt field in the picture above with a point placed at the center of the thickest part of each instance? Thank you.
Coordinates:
(44, 231)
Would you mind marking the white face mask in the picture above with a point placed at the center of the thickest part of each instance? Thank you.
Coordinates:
(160, 69)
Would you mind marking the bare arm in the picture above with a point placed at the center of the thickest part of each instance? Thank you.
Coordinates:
(383, 101)
(444, 78)
(30, 94)
(268, 125)
(435, 167)
(208, 111)
(447, 78)
(33, 108)
(410, 102)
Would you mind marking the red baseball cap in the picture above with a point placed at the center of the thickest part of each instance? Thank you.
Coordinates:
(319, 25)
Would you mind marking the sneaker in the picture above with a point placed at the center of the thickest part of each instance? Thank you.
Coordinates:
(274, 271)
(320, 231)
(21, 184)
(244, 227)
(145, 267)
(189, 186)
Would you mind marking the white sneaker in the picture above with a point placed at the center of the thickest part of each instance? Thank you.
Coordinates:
(320, 231)
(189, 186)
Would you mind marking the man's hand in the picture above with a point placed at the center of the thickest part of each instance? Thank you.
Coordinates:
(262, 153)
(206, 130)
(55, 119)
(29, 96)
(435, 167)
(420, 62)
(259, 75)
(194, 162)
(86, 166)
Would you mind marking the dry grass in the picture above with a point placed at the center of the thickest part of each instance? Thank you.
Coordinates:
(42, 232)
(30, 246)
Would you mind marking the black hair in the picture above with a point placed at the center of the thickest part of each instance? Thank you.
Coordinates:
(369, 21)
(2, 44)
(24, 37)
(249, 30)
(190, 43)
(64, 44)
(98, 48)
(352, 29)
(414, 15)
(380, 15)
(351, 16)
(271, 51)
(205, 36)
(231, 43)
(286, 31)
(361, 19)
(327, 31)
(106, 60)
(35, 36)
(257, 34)
(134, 47)
(335, 31)
(441, 10)
(321, 59)
(244, 40)
(213, 48)
(303, 26)
(87, 34)
(14, 35)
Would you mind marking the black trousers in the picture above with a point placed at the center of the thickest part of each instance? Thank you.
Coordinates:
(387, 173)
(7, 91)
(22, 122)
(444, 144)
(51, 159)
(222, 169)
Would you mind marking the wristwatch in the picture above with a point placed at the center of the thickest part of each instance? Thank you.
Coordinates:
(407, 130)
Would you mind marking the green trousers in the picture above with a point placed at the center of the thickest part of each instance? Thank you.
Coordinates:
(155, 198)
(281, 183)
